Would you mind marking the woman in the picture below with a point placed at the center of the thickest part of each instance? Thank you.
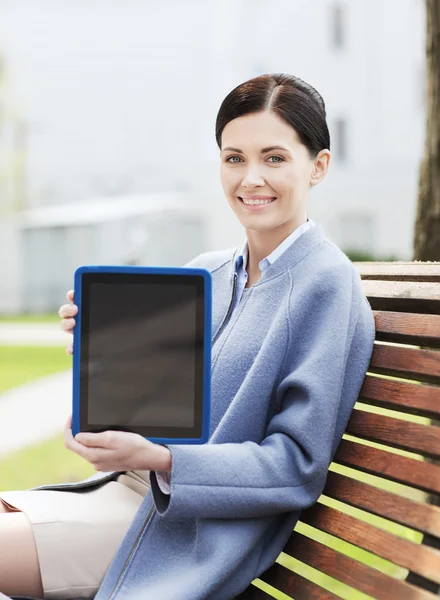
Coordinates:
(292, 339)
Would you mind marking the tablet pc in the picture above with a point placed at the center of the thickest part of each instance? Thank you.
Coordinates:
(142, 352)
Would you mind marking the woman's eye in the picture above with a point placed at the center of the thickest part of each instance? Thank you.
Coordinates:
(231, 160)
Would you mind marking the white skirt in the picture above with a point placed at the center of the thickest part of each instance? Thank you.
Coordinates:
(78, 532)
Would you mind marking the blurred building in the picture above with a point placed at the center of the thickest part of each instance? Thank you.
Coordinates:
(121, 98)
(53, 241)
(11, 155)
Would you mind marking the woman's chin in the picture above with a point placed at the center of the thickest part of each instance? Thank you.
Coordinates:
(255, 222)
(254, 225)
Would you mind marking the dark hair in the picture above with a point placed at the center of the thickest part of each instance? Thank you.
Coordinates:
(289, 97)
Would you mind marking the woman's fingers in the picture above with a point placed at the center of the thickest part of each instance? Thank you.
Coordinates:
(69, 441)
(104, 439)
(67, 312)
(67, 325)
(95, 456)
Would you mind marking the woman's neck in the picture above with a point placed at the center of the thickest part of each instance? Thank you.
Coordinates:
(263, 243)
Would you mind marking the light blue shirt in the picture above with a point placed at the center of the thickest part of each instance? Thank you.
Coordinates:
(242, 258)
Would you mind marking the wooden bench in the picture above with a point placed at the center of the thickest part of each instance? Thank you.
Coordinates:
(403, 380)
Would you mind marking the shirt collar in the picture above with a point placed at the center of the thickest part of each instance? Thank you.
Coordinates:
(242, 257)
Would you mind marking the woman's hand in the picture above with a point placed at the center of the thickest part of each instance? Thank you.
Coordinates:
(67, 312)
(117, 450)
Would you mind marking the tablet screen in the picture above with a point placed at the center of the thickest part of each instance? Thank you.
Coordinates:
(142, 354)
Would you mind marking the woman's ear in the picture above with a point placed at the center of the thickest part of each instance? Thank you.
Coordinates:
(320, 167)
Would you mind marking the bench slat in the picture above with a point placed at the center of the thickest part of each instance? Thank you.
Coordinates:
(403, 270)
(421, 475)
(423, 560)
(295, 585)
(422, 400)
(351, 572)
(410, 363)
(288, 582)
(417, 515)
(414, 437)
(403, 290)
(253, 593)
(407, 328)
(403, 296)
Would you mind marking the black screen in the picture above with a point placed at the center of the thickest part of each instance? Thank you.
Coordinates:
(142, 353)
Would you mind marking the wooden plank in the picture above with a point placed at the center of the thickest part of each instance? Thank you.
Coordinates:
(411, 363)
(294, 585)
(408, 328)
(420, 475)
(423, 560)
(254, 593)
(422, 400)
(403, 296)
(417, 515)
(399, 270)
(414, 437)
(351, 572)
(413, 290)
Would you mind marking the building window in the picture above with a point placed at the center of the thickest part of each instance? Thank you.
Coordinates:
(337, 30)
(340, 140)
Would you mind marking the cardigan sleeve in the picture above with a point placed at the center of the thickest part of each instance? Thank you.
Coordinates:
(287, 470)
(163, 481)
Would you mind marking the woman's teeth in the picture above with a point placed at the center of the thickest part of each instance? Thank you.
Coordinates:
(256, 202)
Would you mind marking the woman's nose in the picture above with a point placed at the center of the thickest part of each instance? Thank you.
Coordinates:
(252, 177)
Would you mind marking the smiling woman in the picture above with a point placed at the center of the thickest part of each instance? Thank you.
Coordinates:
(266, 184)
(292, 339)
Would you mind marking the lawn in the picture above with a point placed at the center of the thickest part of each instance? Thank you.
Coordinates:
(48, 462)
(21, 364)
(30, 318)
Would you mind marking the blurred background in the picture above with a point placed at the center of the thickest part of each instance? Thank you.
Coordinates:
(108, 155)
(107, 109)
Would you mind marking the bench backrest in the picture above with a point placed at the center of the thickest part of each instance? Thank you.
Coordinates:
(379, 499)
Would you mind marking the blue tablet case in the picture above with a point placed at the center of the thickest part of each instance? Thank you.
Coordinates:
(207, 339)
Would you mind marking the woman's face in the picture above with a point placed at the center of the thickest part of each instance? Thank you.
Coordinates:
(265, 171)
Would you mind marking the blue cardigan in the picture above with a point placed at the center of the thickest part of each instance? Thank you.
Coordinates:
(287, 369)
(241, 260)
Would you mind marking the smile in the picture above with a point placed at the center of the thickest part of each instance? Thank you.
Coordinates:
(256, 201)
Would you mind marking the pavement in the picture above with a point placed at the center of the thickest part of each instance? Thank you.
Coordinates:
(38, 410)
(35, 411)
(32, 334)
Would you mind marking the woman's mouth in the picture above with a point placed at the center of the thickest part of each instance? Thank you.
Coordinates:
(256, 203)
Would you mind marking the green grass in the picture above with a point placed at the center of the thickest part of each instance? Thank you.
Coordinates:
(48, 462)
(30, 318)
(44, 463)
(22, 364)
